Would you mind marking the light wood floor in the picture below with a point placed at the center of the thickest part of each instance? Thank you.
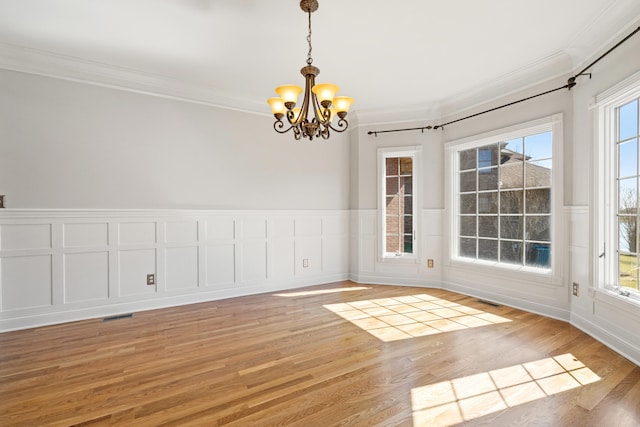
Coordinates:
(338, 354)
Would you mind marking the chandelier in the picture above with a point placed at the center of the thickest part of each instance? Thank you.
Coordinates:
(319, 103)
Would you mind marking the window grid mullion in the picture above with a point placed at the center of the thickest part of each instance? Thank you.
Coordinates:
(477, 205)
(523, 258)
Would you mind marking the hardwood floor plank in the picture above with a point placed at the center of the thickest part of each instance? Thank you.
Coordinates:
(335, 354)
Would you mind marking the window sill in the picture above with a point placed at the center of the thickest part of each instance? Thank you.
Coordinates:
(538, 275)
(618, 300)
(402, 259)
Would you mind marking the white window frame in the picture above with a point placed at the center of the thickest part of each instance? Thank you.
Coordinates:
(551, 275)
(415, 153)
(605, 196)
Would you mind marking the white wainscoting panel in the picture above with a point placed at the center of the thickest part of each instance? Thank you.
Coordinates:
(371, 268)
(135, 264)
(308, 256)
(308, 227)
(221, 265)
(26, 282)
(181, 232)
(335, 254)
(181, 268)
(85, 235)
(283, 228)
(599, 313)
(25, 236)
(86, 276)
(58, 266)
(283, 258)
(254, 261)
(137, 233)
(254, 228)
(222, 228)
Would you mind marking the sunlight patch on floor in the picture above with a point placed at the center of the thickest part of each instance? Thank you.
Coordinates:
(320, 292)
(451, 402)
(411, 316)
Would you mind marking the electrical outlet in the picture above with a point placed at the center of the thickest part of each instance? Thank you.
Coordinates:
(429, 263)
(151, 279)
(2, 205)
(305, 263)
(575, 289)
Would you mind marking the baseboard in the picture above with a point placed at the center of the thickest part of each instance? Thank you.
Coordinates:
(395, 281)
(519, 303)
(71, 315)
(624, 348)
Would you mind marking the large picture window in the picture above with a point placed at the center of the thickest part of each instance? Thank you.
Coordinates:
(618, 118)
(502, 197)
(398, 172)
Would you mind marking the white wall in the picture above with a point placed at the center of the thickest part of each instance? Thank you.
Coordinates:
(66, 145)
(69, 145)
(366, 264)
(540, 293)
(606, 317)
(106, 186)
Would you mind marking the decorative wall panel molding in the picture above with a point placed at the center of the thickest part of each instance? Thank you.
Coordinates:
(58, 266)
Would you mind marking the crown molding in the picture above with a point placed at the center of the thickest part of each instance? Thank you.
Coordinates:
(398, 116)
(545, 69)
(597, 37)
(50, 64)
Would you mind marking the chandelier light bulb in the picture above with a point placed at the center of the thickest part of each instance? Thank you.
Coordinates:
(289, 94)
(342, 104)
(277, 106)
(325, 93)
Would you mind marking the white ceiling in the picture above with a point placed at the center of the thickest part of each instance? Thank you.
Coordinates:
(418, 55)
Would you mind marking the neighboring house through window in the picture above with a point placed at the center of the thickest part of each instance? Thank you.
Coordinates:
(502, 197)
(399, 201)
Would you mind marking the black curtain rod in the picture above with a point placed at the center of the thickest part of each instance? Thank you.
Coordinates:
(570, 84)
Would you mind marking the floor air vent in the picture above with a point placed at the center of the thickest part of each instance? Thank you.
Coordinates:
(492, 304)
(118, 317)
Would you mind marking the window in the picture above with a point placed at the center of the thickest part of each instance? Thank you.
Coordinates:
(398, 170)
(501, 201)
(619, 174)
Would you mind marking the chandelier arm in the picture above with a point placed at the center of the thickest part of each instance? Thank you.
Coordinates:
(291, 118)
(325, 134)
(342, 126)
(320, 113)
(279, 124)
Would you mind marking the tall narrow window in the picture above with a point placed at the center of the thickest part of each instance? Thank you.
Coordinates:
(502, 200)
(398, 170)
(616, 205)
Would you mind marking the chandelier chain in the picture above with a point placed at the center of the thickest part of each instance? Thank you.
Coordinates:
(309, 58)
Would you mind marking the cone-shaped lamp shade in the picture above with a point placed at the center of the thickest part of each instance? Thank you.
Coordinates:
(325, 91)
(277, 105)
(342, 103)
(289, 93)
